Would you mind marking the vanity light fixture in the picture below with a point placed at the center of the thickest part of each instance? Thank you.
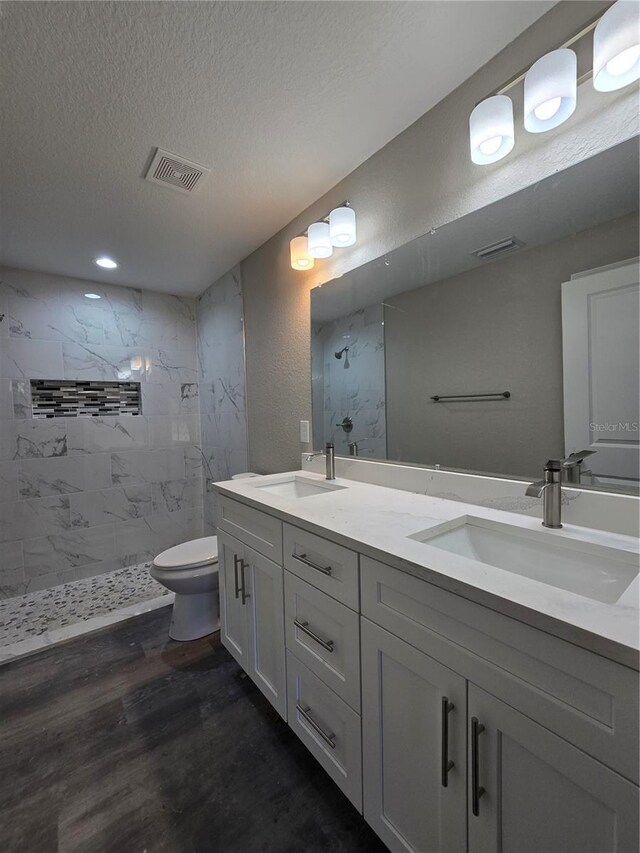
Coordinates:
(105, 262)
(336, 229)
(319, 240)
(342, 227)
(491, 129)
(550, 90)
(300, 257)
(616, 47)
(93, 296)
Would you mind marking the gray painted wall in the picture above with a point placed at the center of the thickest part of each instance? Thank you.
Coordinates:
(423, 178)
(497, 327)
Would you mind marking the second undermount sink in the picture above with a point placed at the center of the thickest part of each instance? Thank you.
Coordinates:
(297, 487)
(595, 571)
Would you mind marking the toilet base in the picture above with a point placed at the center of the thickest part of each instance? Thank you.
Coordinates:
(194, 616)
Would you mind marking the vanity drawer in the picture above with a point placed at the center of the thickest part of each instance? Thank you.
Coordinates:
(327, 726)
(590, 701)
(328, 566)
(325, 635)
(256, 529)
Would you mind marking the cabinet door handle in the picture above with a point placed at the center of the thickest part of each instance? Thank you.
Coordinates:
(243, 589)
(447, 764)
(304, 626)
(304, 712)
(302, 558)
(476, 789)
(236, 559)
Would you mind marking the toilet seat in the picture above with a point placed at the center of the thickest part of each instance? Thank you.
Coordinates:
(189, 555)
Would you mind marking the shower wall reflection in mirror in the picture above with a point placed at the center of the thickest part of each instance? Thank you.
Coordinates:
(503, 339)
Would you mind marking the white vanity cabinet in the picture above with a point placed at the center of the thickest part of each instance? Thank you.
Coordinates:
(252, 616)
(451, 726)
(538, 792)
(414, 746)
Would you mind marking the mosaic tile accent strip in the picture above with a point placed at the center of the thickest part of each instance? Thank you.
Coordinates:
(71, 398)
(49, 610)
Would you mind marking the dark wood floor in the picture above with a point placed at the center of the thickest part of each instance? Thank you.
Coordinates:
(127, 741)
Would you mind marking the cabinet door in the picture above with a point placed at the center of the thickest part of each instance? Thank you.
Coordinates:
(409, 733)
(541, 794)
(233, 614)
(264, 595)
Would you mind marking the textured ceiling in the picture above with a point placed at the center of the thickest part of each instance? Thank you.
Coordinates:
(281, 100)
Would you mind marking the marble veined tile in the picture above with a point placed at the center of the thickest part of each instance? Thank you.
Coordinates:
(34, 517)
(33, 439)
(135, 329)
(39, 478)
(175, 365)
(47, 554)
(175, 495)
(9, 480)
(170, 398)
(119, 503)
(169, 430)
(55, 321)
(30, 285)
(21, 398)
(25, 359)
(112, 296)
(131, 467)
(6, 400)
(94, 362)
(93, 435)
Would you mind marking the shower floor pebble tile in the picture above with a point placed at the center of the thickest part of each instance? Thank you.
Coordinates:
(34, 621)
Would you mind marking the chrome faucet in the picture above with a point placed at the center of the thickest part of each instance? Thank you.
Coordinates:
(550, 490)
(329, 453)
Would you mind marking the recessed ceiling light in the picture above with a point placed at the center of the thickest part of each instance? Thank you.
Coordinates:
(93, 296)
(106, 262)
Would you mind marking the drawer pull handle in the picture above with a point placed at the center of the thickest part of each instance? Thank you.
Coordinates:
(447, 764)
(304, 626)
(476, 789)
(302, 558)
(304, 712)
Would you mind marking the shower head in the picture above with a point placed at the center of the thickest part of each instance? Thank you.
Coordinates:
(338, 355)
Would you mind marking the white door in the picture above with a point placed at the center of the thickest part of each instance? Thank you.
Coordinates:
(233, 612)
(541, 795)
(601, 353)
(264, 596)
(414, 746)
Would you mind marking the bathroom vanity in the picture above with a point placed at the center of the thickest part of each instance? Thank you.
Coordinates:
(468, 679)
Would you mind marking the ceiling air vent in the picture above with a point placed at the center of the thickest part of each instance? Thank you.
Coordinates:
(176, 172)
(501, 247)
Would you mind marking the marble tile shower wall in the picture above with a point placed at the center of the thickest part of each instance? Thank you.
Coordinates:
(221, 376)
(82, 496)
(354, 385)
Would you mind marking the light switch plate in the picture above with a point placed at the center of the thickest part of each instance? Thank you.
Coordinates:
(304, 432)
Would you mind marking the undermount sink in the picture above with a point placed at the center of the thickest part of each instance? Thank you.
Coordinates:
(297, 487)
(595, 571)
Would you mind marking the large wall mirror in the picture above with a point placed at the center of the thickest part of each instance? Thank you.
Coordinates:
(505, 338)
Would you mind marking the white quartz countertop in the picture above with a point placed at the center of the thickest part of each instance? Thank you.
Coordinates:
(376, 521)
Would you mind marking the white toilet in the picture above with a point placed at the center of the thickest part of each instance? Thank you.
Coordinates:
(190, 570)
